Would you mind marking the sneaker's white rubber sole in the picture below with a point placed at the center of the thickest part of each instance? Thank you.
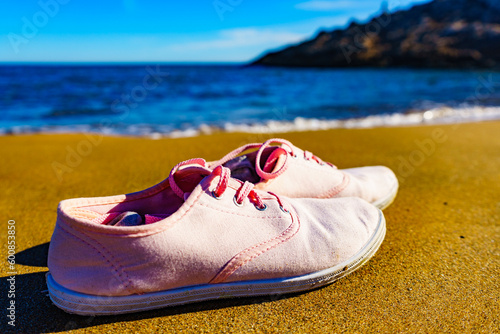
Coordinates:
(387, 200)
(83, 304)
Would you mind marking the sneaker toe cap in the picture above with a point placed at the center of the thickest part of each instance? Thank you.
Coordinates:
(340, 226)
(371, 183)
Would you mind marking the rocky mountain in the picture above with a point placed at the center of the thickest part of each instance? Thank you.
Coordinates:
(438, 34)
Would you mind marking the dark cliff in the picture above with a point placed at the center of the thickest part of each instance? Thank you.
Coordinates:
(440, 34)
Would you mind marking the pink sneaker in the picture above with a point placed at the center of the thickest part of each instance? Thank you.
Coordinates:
(199, 235)
(289, 171)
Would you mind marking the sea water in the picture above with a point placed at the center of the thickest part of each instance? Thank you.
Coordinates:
(184, 100)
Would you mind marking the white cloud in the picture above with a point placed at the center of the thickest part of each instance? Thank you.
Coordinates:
(238, 44)
(311, 26)
(326, 6)
(242, 37)
(246, 43)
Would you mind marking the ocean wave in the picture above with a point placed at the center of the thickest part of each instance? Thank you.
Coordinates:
(439, 115)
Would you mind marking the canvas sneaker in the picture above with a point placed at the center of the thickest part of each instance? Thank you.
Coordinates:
(289, 171)
(200, 235)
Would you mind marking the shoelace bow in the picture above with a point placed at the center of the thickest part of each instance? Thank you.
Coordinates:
(246, 189)
(262, 146)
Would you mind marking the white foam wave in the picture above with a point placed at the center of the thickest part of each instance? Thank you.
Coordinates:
(440, 115)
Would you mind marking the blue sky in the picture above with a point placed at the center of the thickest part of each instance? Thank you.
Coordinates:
(167, 31)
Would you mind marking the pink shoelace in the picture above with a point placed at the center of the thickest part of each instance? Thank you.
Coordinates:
(265, 175)
(246, 189)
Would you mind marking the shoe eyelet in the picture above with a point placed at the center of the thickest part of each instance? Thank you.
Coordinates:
(264, 208)
(215, 196)
(283, 209)
(295, 156)
(236, 202)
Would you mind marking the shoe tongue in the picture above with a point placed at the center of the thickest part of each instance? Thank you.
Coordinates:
(242, 168)
(275, 160)
(189, 177)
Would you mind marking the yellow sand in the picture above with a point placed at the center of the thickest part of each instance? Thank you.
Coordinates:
(437, 270)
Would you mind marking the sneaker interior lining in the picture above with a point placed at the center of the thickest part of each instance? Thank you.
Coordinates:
(153, 204)
(243, 167)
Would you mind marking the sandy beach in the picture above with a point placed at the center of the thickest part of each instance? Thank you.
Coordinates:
(438, 269)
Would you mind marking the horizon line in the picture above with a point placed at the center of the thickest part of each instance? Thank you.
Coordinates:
(2, 63)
